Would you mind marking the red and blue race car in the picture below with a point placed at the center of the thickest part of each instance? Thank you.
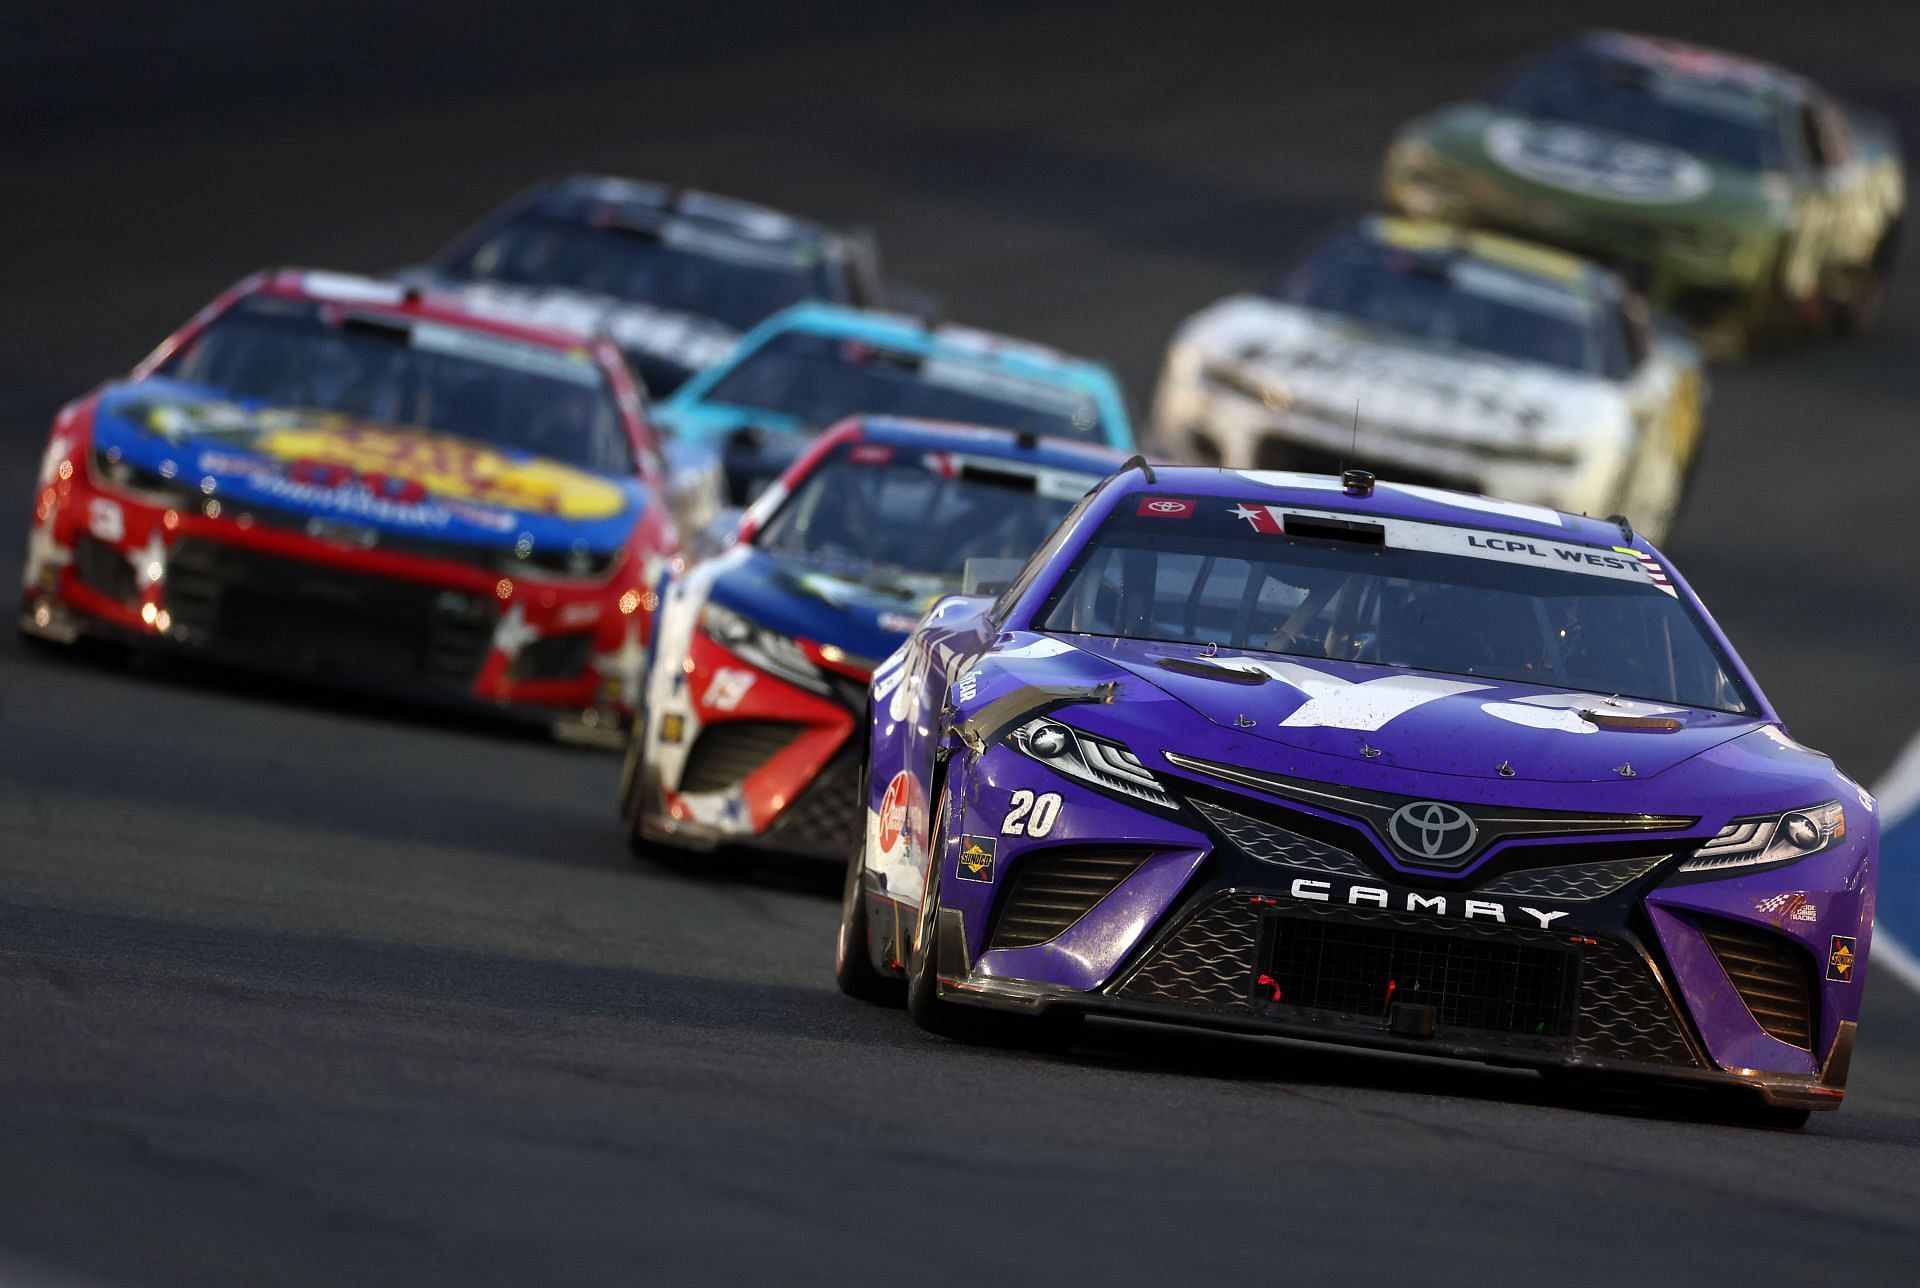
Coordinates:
(332, 476)
(748, 733)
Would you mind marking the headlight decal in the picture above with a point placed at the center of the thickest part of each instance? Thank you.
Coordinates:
(776, 654)
(1770, 839)
(1094, 761)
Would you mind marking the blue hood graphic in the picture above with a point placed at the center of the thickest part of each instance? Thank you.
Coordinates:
(165, 436)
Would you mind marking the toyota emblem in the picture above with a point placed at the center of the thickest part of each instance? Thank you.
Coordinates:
(1432, 830)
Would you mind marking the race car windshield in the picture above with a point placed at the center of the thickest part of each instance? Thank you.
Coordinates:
(291, 353)
(1709, 119)
(1457, 301)
(1426, 597)
(883, 511)
(677, 267)
(819, 379)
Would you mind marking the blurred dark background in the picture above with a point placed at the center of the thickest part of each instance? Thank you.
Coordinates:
(298, 991)
(1079, 173)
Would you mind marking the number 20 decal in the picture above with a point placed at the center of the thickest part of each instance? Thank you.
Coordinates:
(1031, 815)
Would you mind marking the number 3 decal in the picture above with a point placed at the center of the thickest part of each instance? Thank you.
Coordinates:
(1031, 815)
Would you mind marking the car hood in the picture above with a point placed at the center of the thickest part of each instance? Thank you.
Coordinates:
(360, 479)
(676, 342)
(1306, 363)
(866, 615)
(1426, 723)
(1594, 167)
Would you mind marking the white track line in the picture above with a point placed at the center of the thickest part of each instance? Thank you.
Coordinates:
(1899, 794)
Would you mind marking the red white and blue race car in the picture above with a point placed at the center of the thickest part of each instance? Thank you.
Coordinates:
(328, 475)
(747, 734)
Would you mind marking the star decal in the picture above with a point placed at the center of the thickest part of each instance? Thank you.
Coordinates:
(150, 561)
(43, 551)
(624, 663)
(514, 633)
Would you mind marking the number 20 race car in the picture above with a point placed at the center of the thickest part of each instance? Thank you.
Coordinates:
(1385, 766)
(328, 475)
(749, 731)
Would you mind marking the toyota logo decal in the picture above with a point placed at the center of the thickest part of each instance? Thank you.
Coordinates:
(1432, 830)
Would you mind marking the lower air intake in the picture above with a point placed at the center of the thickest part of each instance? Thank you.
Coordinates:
(1475, 983)
(1772, 975)
(1052, 891)
(726, 753)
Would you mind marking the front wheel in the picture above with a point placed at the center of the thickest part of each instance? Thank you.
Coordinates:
(853, 968)
(632, 773)
(924, 1004)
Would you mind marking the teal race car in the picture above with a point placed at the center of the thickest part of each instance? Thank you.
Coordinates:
(1740, 197)
(814, 365)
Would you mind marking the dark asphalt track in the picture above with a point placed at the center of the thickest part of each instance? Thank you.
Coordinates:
(295, 988)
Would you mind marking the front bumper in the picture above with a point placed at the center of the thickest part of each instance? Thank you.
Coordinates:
(1589, 955)
(258, 591)
(735, 755)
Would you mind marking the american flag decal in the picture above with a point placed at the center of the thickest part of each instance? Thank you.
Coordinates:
(1654, 571)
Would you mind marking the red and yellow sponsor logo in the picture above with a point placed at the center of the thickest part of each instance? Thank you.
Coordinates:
(447, 467)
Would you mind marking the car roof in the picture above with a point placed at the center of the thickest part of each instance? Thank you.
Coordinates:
(1545, 264)
(1388, 500)
(941, 340)
(1694, 62)
(401, 300)
(979, 440)
(586, 196)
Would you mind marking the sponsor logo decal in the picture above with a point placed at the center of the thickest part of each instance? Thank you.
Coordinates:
(1597, 165)
(1165, 507)
(673, 728)
(976, 859)
(870, 453)
(1791, 906)
(893, 811)
(1432, 830)
(1840, 959)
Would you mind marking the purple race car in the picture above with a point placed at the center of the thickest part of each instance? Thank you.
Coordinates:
(1386, 766)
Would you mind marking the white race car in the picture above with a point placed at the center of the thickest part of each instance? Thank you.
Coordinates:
(1454, 359)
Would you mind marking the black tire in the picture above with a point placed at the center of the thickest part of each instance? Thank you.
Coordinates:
(853, 968)
(631, 772)
(924, 1004)
(1857, 314)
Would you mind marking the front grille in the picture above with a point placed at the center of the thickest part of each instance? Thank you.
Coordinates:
(1358, 970)
(104, 570)
(1576, 880)
(828, 817)
(1617, 1008)
(1271, 844)
(322, 619)
(553, 657)
(1051, 891)
(1771, 974)
(725, 753)
(1379, 815)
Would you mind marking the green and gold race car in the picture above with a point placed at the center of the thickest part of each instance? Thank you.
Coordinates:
(1738, 196)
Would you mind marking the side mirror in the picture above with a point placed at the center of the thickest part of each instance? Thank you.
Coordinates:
(989, 576)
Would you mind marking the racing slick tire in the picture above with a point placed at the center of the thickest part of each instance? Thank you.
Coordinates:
(631, 772)
(1857, 314)
(957, 1020)
(853, 968)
